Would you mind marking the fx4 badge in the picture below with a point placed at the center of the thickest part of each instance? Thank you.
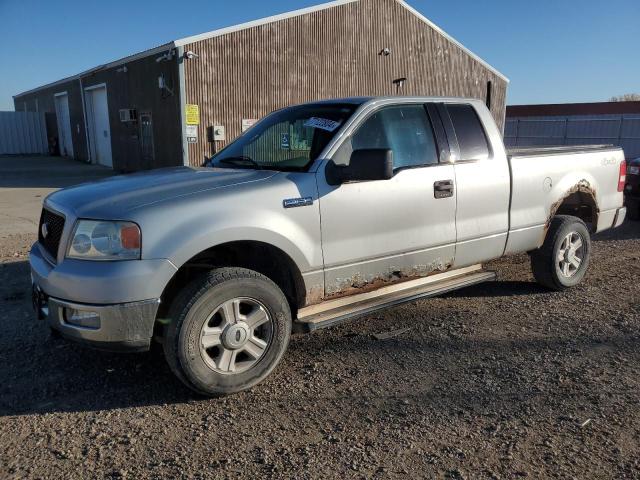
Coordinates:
(297, 202)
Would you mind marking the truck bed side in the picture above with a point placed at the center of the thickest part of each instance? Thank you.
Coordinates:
(548, 181)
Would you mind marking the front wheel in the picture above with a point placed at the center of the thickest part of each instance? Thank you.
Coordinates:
(563, 259)
(229, 329)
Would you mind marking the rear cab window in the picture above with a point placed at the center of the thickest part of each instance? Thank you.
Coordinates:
(472, 140)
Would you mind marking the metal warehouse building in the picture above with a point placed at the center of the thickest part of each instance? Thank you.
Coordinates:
(616, 123)
(179, 103)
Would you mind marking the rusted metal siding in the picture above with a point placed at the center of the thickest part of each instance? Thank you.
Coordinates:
(327, 54)
(47, 105)
(574, 109)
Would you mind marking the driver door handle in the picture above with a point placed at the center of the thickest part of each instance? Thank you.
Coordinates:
(443, 189)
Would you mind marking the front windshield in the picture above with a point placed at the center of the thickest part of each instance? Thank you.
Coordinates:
(286, 140)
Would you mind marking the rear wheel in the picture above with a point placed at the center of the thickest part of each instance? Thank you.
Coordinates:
(563, 259)
(228, 332)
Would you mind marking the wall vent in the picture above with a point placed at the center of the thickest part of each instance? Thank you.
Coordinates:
(128, 115)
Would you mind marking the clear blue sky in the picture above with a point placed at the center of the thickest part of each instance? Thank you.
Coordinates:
(552, 50)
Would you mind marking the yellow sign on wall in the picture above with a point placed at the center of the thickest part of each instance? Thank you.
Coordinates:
(193, 114)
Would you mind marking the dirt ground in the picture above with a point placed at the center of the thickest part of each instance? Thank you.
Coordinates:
(502, 380)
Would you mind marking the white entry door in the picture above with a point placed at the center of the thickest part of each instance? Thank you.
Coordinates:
(99, 130)
(64, 124)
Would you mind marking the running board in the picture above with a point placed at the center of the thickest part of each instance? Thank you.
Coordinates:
(331, 312)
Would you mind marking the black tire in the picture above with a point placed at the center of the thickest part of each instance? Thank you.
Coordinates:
(544, 261)
(633, 209)
(195, 304)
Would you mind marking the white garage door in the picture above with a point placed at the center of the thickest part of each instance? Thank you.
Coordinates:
(98, 121)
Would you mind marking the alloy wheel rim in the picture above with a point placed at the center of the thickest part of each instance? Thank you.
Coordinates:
(571, 254)
(236, 335)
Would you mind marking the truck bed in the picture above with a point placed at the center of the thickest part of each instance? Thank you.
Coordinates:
(544, 179)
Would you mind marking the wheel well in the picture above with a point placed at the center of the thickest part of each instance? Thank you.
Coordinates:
(260, 257)
(579, 204)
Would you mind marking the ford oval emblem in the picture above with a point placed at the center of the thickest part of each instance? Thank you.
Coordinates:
(44, 229)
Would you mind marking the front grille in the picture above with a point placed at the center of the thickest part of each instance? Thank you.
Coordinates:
(54, 226)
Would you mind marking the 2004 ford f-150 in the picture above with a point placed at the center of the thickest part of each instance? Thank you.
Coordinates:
(319, 213)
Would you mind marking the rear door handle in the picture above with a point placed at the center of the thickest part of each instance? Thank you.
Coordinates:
(443, 189)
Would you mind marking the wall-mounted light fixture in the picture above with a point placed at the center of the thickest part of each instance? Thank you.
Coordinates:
(399, 83)
(162, 84)
(122, 69)
(191, 55)
(385, 52)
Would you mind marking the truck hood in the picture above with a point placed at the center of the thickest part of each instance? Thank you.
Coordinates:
(115, 196)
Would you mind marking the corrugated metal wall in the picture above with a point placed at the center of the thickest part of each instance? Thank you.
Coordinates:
(133, 88)
(327, 54)
(43, 101)
(620, 130)
(137, 88)
(249, 73)
(23, 133)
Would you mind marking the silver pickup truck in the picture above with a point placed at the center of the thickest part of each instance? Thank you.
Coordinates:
(320, 213)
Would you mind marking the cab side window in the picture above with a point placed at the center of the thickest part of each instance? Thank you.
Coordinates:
(405, 129)
(469, 132)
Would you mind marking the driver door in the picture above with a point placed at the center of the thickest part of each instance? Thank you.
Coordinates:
(378, 232)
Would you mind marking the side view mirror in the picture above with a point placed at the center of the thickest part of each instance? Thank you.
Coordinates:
(365, 166)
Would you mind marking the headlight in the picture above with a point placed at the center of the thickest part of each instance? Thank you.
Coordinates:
(96, 240)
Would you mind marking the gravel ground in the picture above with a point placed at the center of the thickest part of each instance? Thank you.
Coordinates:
(503, 380)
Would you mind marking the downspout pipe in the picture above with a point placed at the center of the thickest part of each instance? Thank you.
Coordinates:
(85, 121)
(182, 98)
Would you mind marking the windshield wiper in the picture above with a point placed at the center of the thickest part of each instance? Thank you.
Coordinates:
(241, 160)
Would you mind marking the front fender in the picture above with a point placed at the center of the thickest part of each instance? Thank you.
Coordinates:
(181, 230)
(209, 239)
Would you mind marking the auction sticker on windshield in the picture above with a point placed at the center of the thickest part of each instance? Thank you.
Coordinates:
(322, 124)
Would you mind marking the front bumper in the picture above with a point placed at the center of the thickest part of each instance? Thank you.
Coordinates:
(120, 299)
(121, 327)
(100, 283)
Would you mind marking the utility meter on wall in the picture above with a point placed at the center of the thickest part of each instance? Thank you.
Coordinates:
(219, 133)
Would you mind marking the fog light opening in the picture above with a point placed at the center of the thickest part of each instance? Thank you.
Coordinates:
(82, 318)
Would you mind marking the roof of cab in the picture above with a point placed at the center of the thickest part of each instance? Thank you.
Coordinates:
(342, 101)
(387, 98)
